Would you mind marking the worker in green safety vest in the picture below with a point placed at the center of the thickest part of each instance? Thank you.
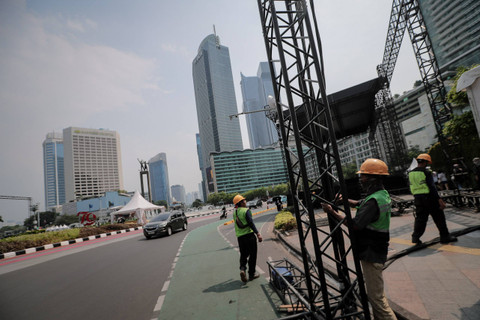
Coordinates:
(371, 233)
(246, 231)
(427, 201)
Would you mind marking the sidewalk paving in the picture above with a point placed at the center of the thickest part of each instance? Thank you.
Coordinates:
(436, 282)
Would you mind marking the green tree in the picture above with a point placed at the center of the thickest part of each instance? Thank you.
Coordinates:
(214, 198)
(417, 83)
(458, 99)
(197, 203)
(46, 218)
(349, 170)
(161, 203)
(66, 219)
(461, 130)
(1, 219)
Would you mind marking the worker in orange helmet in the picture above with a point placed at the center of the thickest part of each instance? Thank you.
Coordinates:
(427, 201)
(371, 233)
(245, 231)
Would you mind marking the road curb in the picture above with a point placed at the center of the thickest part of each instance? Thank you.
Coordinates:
(63, 243)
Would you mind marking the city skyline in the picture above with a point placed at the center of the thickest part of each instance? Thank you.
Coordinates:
(69, 63)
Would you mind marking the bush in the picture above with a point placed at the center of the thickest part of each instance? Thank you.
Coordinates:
(25, 241)
(285, 221)
(39, 238)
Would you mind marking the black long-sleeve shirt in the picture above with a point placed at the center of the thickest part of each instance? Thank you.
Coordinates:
(248, 217)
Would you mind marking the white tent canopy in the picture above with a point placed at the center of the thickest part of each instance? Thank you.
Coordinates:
(141, 207)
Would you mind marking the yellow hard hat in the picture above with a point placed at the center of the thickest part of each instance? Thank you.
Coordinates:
(425, 157)
(237, 199)
(374, 166)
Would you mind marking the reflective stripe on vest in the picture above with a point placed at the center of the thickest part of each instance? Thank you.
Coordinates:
(241, 212)
(418, 182)
(384, 204)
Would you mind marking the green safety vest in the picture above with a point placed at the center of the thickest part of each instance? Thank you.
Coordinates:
(384, 203)
(418, 182)
(241, 213)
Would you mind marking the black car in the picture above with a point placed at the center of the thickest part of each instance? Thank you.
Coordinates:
(165, 223)
(254, 204)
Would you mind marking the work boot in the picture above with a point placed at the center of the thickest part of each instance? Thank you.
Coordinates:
(243, 276)
(416, 241)
(255, 276)
(448, 239)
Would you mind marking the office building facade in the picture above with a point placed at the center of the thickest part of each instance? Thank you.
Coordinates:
(454, 29)
(255, 90)
(159, 183)
(215, 102)
(201, 188)
(178, 193)
(93, 163)
(53, 171)
(243, 170)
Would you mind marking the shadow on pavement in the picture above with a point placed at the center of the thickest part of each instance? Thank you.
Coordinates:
(271, 296)
(229, 285)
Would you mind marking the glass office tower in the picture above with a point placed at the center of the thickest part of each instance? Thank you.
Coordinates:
(159, 183)
(240, 171)
(54, 179)
(178, 193)
(215, 102)
(255, 90)
(454, 28)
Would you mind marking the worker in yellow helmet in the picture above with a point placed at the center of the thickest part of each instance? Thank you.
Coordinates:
(245, 231)
(371, 233)
(427, 201)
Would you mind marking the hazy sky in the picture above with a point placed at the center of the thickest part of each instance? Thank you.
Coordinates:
(127, 66)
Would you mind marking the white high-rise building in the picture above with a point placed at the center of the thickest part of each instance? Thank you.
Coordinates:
(92, 162)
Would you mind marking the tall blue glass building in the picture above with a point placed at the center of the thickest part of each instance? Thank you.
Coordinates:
(255, 90)
(215, 102)
(159, 183)
(53, 166)
(202, 189)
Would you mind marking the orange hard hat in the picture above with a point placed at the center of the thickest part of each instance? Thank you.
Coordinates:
(374, 166)
(425, 157)
(237, 199)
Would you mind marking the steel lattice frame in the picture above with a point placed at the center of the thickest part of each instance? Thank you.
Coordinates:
(293, 48)
(389, 136)
(406, 14)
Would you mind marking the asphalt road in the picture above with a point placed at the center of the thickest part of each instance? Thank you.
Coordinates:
(118, 277)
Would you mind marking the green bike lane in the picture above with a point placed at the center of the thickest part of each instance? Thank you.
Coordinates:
(205, 283)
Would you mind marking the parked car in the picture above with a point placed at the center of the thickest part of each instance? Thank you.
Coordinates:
(254, 204)
(165, 224)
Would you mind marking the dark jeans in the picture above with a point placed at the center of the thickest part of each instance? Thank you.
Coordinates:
(425, 206)
(248, 252)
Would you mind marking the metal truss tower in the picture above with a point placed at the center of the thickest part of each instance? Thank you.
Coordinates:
(406, 14)
(304, 119)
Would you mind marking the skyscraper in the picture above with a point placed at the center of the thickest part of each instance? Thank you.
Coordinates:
(255, 90)
(202, 188)
(54, 179)
(454, 28)
(215, 101)
(93, 162)
(160, 185)
(178, 193)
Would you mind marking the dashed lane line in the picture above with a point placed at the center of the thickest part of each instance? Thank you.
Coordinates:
(163, 293)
